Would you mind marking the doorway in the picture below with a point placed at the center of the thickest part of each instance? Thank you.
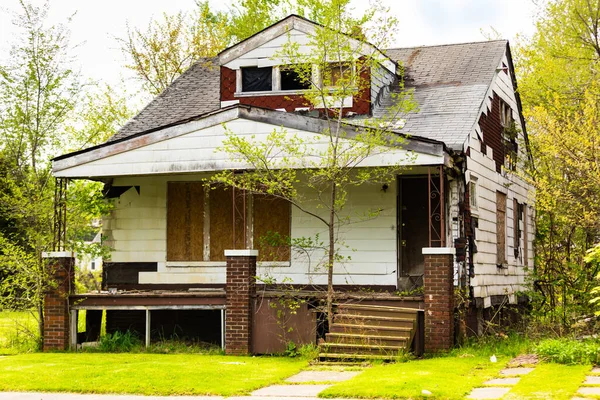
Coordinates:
(413, 225)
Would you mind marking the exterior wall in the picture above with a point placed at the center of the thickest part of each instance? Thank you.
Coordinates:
(136, 231)
(482, 164)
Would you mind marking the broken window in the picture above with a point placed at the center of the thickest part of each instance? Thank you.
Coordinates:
(292, 78)
(500, 229)
(518, 211)
(255, 79)
(510, 134)
(338, 74)
(473, 193)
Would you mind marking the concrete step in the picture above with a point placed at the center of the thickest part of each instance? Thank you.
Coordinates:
(347, 357)
(347, 348)
(380, 311)
(380, 340)
(370, 320)
(373, 330)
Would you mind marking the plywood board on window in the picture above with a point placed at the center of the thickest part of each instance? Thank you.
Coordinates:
(185, 221)
(222, 221)
(271, 220)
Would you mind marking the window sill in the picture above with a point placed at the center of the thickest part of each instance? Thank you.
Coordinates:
(269, 93)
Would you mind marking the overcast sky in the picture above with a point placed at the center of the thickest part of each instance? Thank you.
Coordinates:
(422, 22)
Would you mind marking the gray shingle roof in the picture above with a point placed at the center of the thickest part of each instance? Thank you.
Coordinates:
(193, 93)
(450, 83)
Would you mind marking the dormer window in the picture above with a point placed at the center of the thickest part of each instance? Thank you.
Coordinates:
(290, 79)
(337, 73)
(257, 79)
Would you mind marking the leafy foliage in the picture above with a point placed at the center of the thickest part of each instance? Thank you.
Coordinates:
(560, 85)
(569, 351)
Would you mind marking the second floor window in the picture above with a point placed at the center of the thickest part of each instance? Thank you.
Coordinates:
(255, 79)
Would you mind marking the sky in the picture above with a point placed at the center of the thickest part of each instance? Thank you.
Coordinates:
(96, 25)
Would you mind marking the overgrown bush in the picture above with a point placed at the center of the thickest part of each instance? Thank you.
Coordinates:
(119, 342)
(511, 345)
(569, 351)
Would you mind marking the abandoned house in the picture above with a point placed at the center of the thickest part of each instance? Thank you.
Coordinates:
(187, 260)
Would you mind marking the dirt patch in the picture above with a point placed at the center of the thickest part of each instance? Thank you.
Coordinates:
(523, 360)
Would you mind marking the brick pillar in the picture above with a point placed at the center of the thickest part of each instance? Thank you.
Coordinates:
(241, 288)
(438, 282)
(56, 300)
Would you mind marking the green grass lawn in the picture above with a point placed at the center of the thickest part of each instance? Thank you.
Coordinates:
(444, 377)
(146, 374)
(550, 381)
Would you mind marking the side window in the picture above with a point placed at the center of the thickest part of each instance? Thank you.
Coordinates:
(509, 136)
(517, 227)
(473, 193)
(500, 229)
(255, 79)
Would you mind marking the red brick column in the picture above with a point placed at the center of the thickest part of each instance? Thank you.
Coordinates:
(438, 282)
(241, 288)
(56, 300)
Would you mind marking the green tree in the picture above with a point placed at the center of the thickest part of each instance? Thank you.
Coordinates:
(298, 170)
(168, 47)
(560, 87)
(39, 98)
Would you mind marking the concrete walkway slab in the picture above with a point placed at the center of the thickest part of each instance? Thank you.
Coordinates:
(75, 396)
(589, 391)
(503, 381)
(488, 393)
(290, 390)
(515, 371)
(592, 380)
(322, 376)
(596, 370)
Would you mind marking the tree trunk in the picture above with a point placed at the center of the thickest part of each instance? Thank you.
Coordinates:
(331, 255)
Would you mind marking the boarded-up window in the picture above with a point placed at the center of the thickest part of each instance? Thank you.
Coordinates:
(271, 228)
(221, 221)
(525, 239)
(517, 224)
(500, 228)
(185, 221)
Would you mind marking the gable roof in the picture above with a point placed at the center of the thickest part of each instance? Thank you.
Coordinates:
(450, 83)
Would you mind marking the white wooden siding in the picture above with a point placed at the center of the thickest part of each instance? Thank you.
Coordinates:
(136, 230)
(196, 150)
(490, 280)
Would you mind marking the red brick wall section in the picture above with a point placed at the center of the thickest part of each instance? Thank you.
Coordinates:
(56, 303)
(361, 104)
(439, 302)
(241, 288)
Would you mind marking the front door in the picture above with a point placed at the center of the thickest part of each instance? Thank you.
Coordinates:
(413, 233)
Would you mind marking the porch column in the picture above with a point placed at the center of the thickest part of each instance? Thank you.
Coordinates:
(60, 266)
(438, 285)
(240, 289)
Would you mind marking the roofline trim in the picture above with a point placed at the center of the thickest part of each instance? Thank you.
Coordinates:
(276, 118)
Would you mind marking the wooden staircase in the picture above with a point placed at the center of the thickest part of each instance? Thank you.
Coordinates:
(369, 332)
